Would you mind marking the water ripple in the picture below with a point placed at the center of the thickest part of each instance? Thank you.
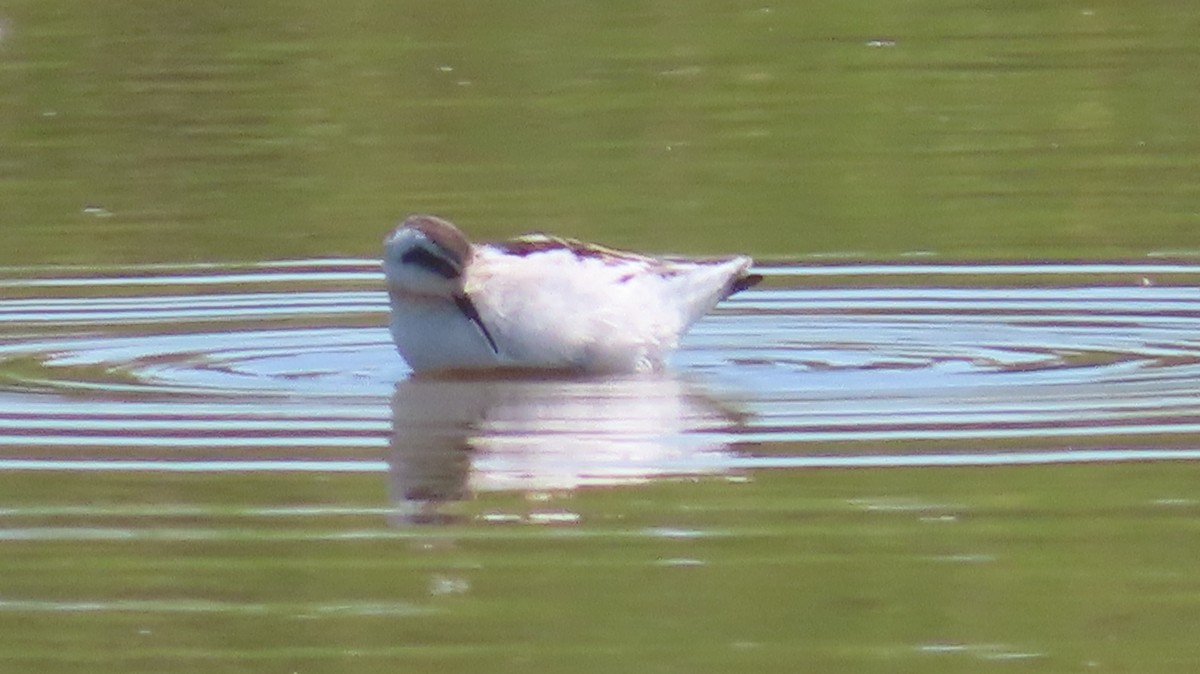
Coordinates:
(288, 366)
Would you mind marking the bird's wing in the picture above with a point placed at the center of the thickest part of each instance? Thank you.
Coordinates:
(632, 265)
(664, 267)
(530, 244)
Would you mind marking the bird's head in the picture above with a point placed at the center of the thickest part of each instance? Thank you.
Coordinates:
(426, 255)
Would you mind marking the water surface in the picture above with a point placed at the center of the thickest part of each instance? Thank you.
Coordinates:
(213, 467)
(287, 364)
(861, 466)
(192, 449)
(140, 132)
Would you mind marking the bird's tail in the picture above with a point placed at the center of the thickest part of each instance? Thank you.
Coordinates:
(743, 282)
(711, 282)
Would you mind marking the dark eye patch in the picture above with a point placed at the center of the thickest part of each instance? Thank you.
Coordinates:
(427, 260)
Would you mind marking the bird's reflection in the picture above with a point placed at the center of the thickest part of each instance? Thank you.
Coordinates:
(452, 438)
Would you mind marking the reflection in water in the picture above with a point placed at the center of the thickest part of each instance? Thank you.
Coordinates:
(451, 438)
(287, 367)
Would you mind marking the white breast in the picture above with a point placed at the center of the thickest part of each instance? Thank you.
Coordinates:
(433, 334)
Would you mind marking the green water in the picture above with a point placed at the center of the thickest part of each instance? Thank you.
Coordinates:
(168, 131)
(1063, 569)
(148, 131)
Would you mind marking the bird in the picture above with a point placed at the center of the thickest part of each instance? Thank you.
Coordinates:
(542, 303)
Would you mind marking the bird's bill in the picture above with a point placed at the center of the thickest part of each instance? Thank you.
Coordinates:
(467, 307)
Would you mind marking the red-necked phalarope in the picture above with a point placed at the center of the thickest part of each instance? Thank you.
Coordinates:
(541, 302)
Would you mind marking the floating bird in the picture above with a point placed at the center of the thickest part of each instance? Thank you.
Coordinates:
(540, 302)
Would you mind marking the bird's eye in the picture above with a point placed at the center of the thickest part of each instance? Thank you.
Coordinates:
(431, 262)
